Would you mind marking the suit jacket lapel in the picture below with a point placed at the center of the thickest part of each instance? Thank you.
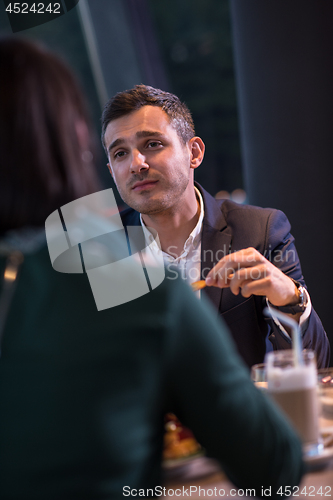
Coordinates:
(130, 217)
(215, 242)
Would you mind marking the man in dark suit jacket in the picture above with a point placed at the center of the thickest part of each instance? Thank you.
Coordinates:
(247, 255)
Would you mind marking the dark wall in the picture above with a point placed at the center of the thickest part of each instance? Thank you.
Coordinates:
(284, 68)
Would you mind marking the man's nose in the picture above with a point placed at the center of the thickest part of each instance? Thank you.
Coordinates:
(138, 163)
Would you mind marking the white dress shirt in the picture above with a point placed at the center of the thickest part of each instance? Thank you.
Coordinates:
(188, 264)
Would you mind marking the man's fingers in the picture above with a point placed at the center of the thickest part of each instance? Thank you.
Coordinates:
(220, 277)
(258, 287)
(248, 258)
(247, 275)
(235, 278)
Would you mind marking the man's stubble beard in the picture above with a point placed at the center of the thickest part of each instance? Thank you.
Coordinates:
(168, 198)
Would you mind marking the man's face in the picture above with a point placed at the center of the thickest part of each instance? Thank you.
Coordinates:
(149, 163)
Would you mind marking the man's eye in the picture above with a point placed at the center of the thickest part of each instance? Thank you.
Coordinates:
(153, 144)
(119, 154)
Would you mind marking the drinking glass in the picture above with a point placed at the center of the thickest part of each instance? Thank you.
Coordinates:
(325, 392)
(258, 376)
(293, 386)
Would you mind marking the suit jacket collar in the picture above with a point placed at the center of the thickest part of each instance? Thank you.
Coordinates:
(130, 217)
(215, 241)
(214, 216)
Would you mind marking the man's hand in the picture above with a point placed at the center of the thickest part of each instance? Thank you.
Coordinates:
(250, 273)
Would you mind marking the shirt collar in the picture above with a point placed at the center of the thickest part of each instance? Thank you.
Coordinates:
(195, 235)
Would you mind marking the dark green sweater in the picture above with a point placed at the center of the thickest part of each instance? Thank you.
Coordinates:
(83, 393)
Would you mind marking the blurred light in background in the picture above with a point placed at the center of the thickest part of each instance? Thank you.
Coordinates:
(237, 195)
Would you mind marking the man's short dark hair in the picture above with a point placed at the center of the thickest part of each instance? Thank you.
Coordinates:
(131, 100)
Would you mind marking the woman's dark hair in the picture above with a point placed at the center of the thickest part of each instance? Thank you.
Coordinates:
(127, 101)
(44, 136)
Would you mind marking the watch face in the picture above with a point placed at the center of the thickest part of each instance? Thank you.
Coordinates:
(302, 296)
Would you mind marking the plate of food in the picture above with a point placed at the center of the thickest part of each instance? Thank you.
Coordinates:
(180, 445)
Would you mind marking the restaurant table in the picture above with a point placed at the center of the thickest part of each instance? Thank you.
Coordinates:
(203, 478)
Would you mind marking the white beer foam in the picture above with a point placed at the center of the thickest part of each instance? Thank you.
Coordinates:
(291, 378)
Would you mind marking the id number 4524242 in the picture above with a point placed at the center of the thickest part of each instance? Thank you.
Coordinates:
(35, 8)
(306, 491)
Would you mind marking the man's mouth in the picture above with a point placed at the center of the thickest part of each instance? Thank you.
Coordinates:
(142, 185)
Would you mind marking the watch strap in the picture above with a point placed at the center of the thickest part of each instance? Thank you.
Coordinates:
(297, 308)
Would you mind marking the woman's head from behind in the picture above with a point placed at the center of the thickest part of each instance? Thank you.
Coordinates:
(43, 136)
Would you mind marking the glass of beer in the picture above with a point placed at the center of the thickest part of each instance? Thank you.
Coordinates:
(293, 386)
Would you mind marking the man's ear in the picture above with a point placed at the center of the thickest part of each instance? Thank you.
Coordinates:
(197, 150)
(110, 169)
